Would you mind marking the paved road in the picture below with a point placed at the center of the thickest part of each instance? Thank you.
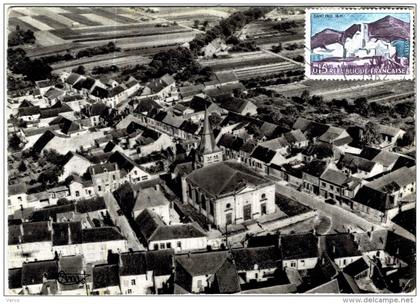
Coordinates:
(340, 217)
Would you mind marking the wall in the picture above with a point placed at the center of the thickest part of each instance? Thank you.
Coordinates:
(343, 262)
(142, 283)
(98, 251)
(28, 252)
(188, 244)
(300, 264)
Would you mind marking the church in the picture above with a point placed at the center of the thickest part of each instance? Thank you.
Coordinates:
(226, 192)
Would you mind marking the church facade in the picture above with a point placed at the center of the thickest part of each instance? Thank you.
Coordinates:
(225, 192)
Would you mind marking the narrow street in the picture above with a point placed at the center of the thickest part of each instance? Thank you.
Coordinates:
(339, 216)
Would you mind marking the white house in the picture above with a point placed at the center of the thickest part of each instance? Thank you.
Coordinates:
(16, 198)
(180, 237)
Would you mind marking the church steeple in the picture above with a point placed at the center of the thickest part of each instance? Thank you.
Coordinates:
(208, 151)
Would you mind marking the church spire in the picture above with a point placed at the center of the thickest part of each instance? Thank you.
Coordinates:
(207, 143)
(208, 152)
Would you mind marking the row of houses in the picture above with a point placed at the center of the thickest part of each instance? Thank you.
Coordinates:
(343, 262)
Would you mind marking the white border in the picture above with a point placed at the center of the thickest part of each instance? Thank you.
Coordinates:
(402, 9)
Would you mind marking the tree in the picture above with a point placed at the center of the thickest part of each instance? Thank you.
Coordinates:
(15, 142)
(79, 70)
(371, 134)
(407, 139)
(305, 96)
(277, 48)
(316, 101)
(196, 23)
(405, 109)
(205, 23)
(361, 106)
(50, 176)
(37, 70)
(22, 167)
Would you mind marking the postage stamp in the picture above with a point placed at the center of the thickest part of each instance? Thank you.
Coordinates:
(359, 44)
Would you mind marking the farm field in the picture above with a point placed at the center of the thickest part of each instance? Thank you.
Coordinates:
(265, 70)
(376, 91)
(147, 41)
(262, 32)
(240, 60)
(119, 60)
(104, 33)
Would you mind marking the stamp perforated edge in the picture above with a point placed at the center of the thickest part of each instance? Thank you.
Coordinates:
(340, 9)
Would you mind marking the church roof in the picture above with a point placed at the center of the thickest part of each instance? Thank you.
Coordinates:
(235, 177)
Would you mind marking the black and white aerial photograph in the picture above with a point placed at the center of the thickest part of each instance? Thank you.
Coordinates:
(210, 150)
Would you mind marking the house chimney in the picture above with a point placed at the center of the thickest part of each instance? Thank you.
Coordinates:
(157, 187)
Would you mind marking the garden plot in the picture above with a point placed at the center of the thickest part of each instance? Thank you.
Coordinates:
(35, 23)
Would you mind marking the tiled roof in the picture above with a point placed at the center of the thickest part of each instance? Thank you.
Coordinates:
(341, 245)
(264, 257)
(299, 246)
(150, 197)
(236, 177)
(105, 276)
(263, 154)
(355, 163)
(33, 272)
(395, 180)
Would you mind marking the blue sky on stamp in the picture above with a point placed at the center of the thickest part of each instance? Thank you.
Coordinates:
(341, 21)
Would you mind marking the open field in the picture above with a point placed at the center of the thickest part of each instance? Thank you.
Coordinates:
(239, 60)
(111, 13)
(81, 19)
(262, 32)
(378, 91)
(265, 70)
(50, 21)
(45, 38)
(105, 60)
(147, 41)
(113, 32)
(15, 21)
